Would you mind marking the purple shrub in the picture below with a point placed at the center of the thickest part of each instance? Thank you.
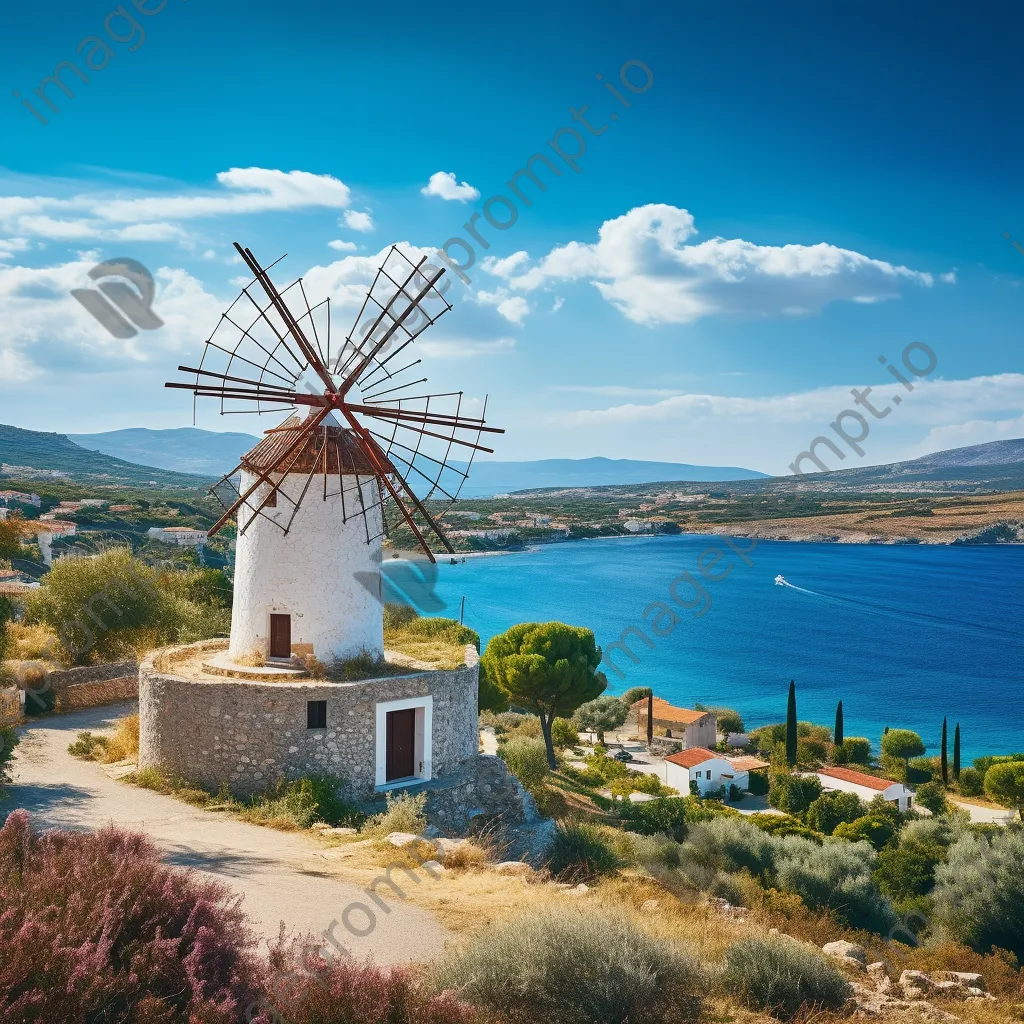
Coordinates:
(306, 989)
(94, 928)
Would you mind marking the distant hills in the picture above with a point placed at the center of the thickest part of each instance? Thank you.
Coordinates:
(182, 450)
(42, 452)
(489, 478)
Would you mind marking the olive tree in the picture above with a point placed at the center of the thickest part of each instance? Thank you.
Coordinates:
(600, 714)
(1004, 783)
(548, 668)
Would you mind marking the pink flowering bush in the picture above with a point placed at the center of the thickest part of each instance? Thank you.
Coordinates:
(93, 927)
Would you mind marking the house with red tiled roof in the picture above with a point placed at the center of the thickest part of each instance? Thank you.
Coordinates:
(688, 728)
(709, 771)
(838, 778)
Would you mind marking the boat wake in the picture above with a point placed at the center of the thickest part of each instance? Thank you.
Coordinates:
(905, 615)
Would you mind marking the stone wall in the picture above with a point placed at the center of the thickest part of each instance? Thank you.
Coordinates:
(90, 685)
(482, 787)
(249, 734)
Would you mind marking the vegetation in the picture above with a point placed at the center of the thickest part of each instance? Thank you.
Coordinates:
(829, 810)
(548, 668)
(566, 965)
(900, 745)
(8, 741)
(437, 641)
(1004, 783)
(782, 977)
(791, 726)
(600, 715)
(581, 852)
(527, 760)
(404, 813)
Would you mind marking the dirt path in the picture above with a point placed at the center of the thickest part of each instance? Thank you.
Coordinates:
(281, 875)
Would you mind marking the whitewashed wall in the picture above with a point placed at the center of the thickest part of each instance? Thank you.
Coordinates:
(323, 573)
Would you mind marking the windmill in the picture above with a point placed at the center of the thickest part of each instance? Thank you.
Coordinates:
(364, 452)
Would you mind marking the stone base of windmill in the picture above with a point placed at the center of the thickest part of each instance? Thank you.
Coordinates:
(214, 723)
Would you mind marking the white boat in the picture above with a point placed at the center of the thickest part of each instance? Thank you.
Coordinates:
(780, 581)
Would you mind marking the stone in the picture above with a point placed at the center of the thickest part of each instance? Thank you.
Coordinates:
(650, 905)
(447, 846)
(341, 831)
(844, 951)
(964, 979)
(433, 867)
(513, 867)
(576, 890)
(401, 839)
(915, 984)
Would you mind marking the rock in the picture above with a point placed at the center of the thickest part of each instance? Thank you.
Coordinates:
(431, 832)
(915, 984)
(980, 993)
(962, 978)
(578, 890)
(402, 838)
(848, 953)
(433, 867)
(879, 974)
(513, 867)
(650, 905)
(328, 831)
(447, 846)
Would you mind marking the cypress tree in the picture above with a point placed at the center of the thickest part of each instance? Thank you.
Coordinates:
(956, 752)
(885, 731)
(839, 725)
(791, 725)
(945, 760)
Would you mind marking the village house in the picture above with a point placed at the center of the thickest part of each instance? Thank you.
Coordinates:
(686, 727)
(867, 787)
(121, 508)
(709, 771)
(183, 536)
(20, 498)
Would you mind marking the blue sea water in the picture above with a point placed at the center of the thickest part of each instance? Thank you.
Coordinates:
(903, 635)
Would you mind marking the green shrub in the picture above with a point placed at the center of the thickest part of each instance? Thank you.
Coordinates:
(783, 977)
(566, 965)
(645, 851)
(783, 825)
(635, 693)
(667, 816)
(8, 741)
(527, 760)
(931, 796)
(404, 813)
(580, 851)
(563, 733)
(921, 769)
(302, 802)
(1004, 783)
(857, 749)
(757, 783)
(979, 892)
(733, 844)
(88, 746)
(832, 809)
(907, 871)
(793, 793)
(871, 828)
(971, 782)
(838, 877)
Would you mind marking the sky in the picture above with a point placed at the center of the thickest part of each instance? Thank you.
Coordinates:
(767, 199)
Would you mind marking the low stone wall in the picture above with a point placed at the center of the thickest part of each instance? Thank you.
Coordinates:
(90, 685)
(483, 786)
(249, 734)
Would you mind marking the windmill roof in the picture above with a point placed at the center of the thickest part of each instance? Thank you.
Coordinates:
(344, 455)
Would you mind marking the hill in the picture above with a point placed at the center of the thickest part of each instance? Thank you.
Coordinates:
(488, 478)
(183, 450)
(31, 454)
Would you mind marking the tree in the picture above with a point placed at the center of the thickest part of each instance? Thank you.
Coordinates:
(728, 721)
(526, 760)
(838, 735)
(793, 793)
(857, 749)
(1004, 783)
(956, 753)
(872, 828)
(932, 797)
(791, 726)
(6, 616)
(599, 715)
(635, 693)
(945, 762)
(832, 809)
(971, 782)
(902, 745)
(10, 537)
(548, 668)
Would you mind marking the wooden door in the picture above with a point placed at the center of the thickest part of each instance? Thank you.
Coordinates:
(401, 744)
(280, 636)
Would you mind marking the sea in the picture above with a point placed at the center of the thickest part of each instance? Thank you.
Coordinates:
(902, 634)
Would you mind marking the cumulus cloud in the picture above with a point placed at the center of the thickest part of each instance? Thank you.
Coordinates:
(343, 246)
(444, 185)
(45, 327)
(514, 308)
(644, 264)
(465, 348)
(358, 220)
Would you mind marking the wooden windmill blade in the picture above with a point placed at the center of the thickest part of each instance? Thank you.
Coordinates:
(272, 350)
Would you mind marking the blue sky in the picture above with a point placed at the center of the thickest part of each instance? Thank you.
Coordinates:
(802, 188)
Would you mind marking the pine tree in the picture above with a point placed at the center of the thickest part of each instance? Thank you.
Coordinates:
(945, 760)
(956, 752)
(839, 725)
(791, 725)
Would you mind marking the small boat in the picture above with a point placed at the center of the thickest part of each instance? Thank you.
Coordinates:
(780, 581)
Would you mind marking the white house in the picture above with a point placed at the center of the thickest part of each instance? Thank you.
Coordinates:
(709, 770)
(183, 536)
(690, 728)
(867, 787)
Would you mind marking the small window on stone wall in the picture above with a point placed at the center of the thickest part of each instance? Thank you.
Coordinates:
(316, 714)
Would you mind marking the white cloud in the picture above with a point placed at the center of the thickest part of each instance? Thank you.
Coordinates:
(614, 390)
(464, 348)
(358, 220)
(642, 265)
(151, 217)
(949, 278)
(343, 246)
(9, 246)
(514, 308)
(443, 185)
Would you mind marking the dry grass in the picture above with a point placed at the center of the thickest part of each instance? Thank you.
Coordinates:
(467, 857)
(124, 744)
(434, 651)
(32, 643)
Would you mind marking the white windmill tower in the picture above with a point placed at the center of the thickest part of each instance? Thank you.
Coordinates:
(315, 497)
